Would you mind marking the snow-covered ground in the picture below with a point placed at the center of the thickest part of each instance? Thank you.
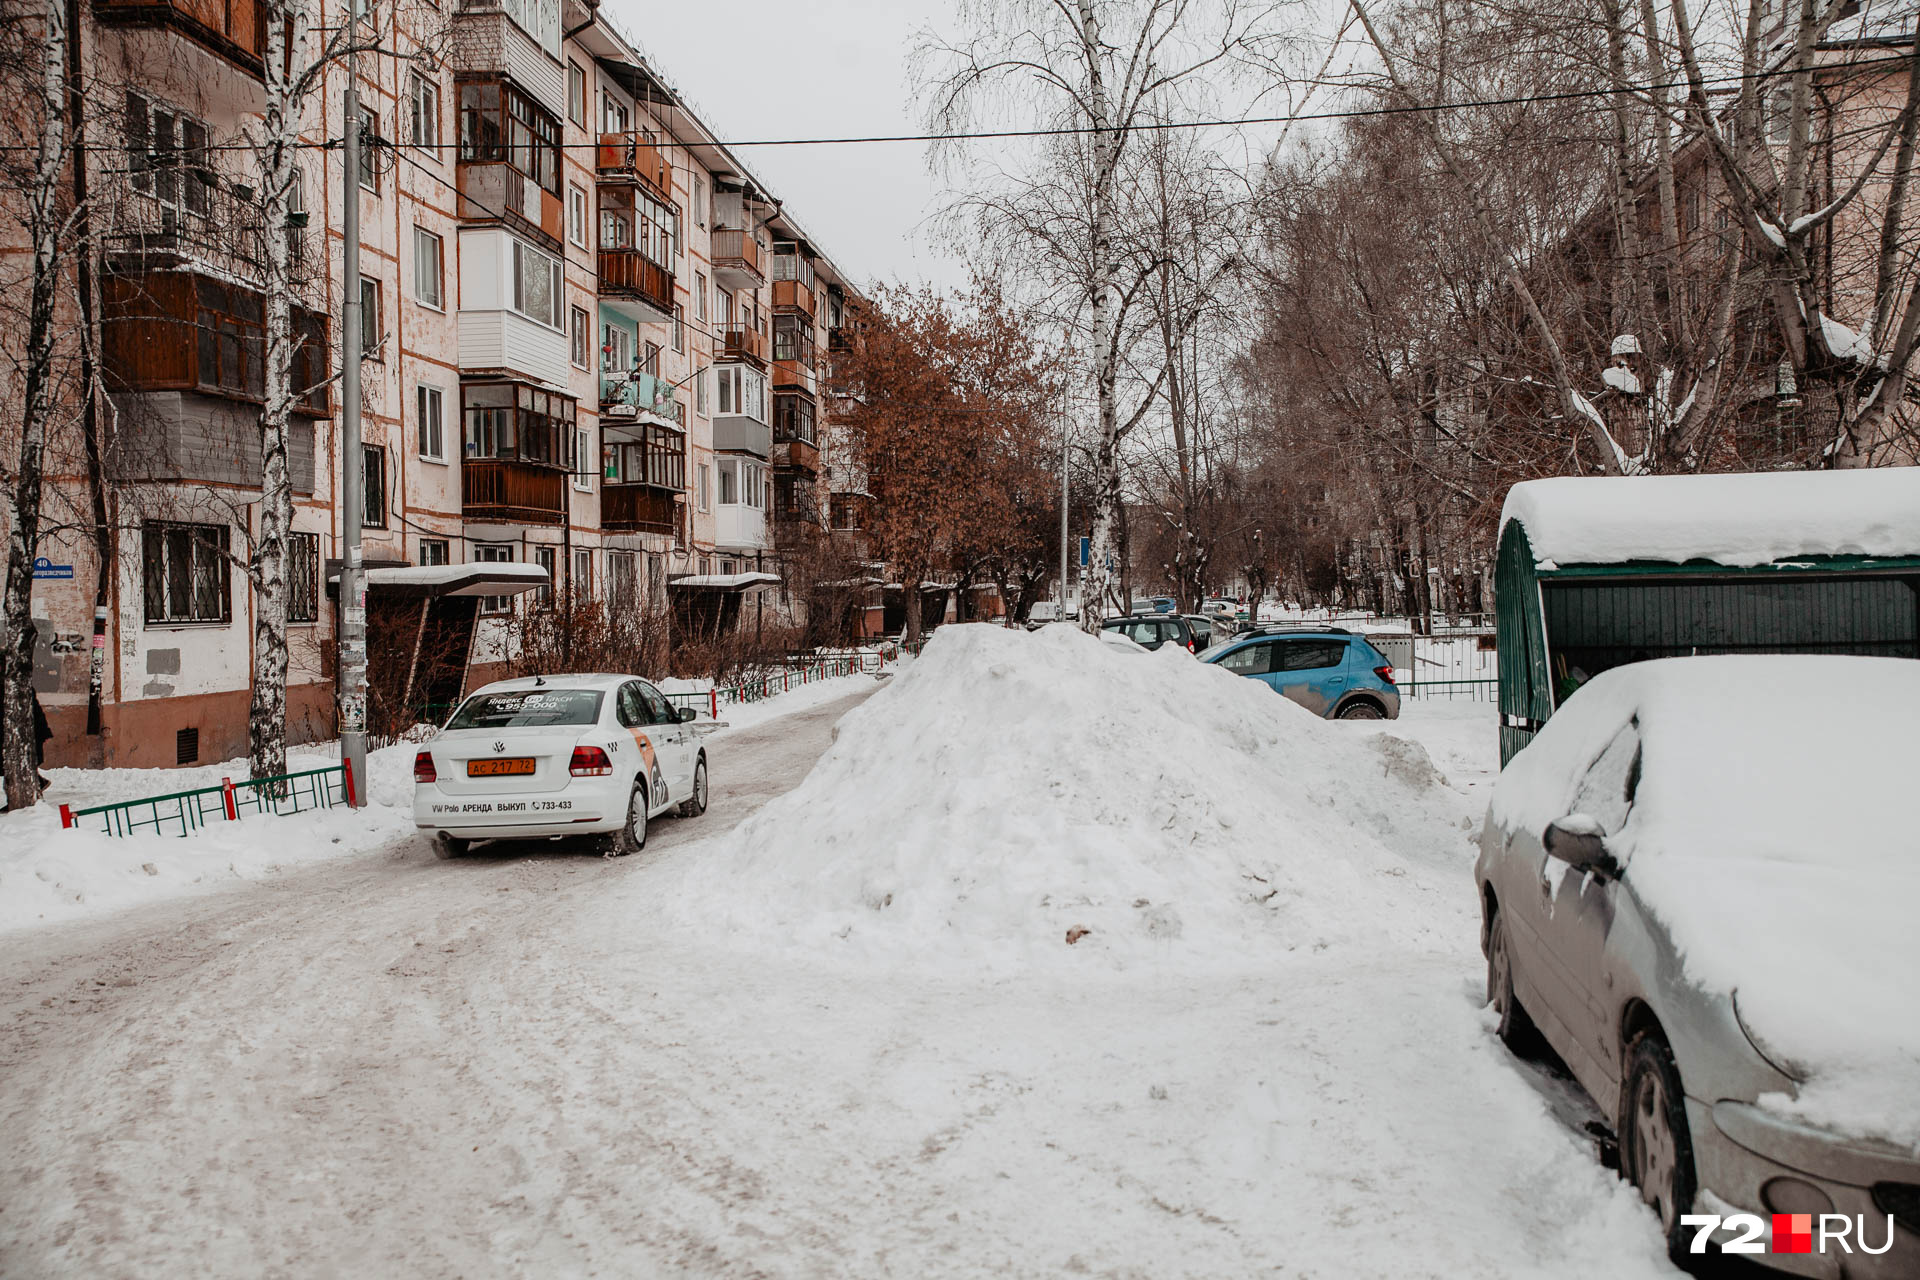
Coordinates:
(849, 1036)
(49, 875)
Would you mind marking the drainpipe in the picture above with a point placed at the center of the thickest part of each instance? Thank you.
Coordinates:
(593, 16)
(89, 421)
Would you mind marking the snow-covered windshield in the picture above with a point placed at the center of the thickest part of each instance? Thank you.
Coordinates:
(528, 708)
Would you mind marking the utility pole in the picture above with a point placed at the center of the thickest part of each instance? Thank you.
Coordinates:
(351, 684)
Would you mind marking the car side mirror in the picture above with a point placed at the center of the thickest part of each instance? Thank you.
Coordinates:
(1578, 841)
(684, 714)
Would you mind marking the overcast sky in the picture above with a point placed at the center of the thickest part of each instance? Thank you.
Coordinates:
(760, 69)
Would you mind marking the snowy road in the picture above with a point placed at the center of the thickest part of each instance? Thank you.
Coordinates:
(527, 1065)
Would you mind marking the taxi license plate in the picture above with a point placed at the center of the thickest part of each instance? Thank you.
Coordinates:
(497, 768)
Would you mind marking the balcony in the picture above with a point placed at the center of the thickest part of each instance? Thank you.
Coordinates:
(635, 157)
(739, 527)
(839, 340)
(800, 455)
(628, 395)
(628, 276)
(742, 435)
(742, 341)
(737, 260)
(639, 508)
(234, 29)
(793, 295)
(496, 192)
(489, 39)
(510, 491)
(187, 332)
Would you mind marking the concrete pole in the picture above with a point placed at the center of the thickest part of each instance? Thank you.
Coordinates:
(1063, 518)
(351, 685)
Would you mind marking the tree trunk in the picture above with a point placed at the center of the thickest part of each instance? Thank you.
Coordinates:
(1097, 587)
(19, 746)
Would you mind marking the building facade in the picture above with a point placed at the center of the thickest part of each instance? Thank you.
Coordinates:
(592, 344)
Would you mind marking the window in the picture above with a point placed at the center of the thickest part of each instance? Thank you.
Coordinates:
(423, 114)
(616, 349)
(793, 340)
(485, 553)
(167, 157)
(513, 420)
(433, 551)
(501, 125)
(186, 572)
(429, 268)
(576, 94)
(743, 391)
(303, 577)
(1780, 116)
(1308, 655)
(700, 202)
(650, 361)
(658, 458)
(729, 484)
(580, 581)
(544, 557)
(1606, 793)
(579, 331)
(1249, 661)
(700, 295)
(679, 328)
(370, 319)
(614, 117)
(582, 457)
(577, 216)
(793, 419)
(620, 580)
(700, 474)
(632, 219)
(430, 422)
(678, 236)
(375, 459)
(700, 392)
(536, 285)
(369, 145)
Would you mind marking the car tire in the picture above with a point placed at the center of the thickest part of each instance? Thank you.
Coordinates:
(696, 804)
(1516, 1029)
(632, 836)
(1656, 1149)
(1361, 709)
(450, 846)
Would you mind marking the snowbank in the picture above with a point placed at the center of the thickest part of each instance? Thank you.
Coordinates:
(1729, 519)
(1010, 787)
(1789, 873)
(48, 875)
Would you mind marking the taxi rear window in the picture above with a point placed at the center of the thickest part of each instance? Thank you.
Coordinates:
(528, 709)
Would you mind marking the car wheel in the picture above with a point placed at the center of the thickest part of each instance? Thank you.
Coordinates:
(1361, 709)
(1656, 1149)
(1516, 1029)
(696, 804)
(451, 846)
(632, 836)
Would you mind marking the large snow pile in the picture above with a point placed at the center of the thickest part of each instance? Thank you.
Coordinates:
(1787, 873)
(1728, 519)
(1009, 788)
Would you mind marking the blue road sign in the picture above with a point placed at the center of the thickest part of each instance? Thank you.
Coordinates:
(45, 568)
(1086, 551)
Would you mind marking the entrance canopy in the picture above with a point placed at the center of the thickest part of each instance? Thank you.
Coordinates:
(430, 581)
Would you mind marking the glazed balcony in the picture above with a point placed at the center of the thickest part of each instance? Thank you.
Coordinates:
(639, 508)
(234, 29)
(189, 332)
(737, 260)
(634, 156)
(628, 276)
(512, 491)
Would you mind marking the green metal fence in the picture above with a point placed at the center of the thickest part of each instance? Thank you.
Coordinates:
(184, 812)
(1451, 690)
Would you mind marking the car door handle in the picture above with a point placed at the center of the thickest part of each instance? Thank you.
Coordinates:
(1337, 680)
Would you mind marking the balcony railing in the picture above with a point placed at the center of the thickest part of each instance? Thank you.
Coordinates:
(635, 157)
(737, 260)
(639, 508)
(792, 295)
(514, 492)
(802, 455)
(490, 189)
(185, 331)
(643, 392)
(234, 29)
(626, 273)
(744, 342)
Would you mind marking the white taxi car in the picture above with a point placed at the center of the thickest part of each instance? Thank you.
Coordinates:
(552, 756)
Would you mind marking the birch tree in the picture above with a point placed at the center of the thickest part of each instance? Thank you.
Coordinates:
(1096, 70)
(46, 139)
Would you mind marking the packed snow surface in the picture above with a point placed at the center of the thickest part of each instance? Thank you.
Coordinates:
(1009, 789)
(1787, 872)
(1728, 519)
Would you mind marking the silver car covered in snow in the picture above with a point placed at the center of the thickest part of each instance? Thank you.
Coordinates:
(1700, 886)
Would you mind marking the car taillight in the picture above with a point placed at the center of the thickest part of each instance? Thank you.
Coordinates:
(589, 762)
(1385, 673)
(423, 768)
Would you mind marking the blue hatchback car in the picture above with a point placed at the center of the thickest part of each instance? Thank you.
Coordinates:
(1330, 672)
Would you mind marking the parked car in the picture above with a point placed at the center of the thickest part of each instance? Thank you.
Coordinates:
(1202, 627)
(1152, 630)
(1220, 605)
(1153, 604)
(1697, 886)
(559, 756)
(1330, 672)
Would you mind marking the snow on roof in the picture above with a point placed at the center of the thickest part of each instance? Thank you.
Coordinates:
(725, 581)
(433, 575)
(1772, 834)
(1727, 519)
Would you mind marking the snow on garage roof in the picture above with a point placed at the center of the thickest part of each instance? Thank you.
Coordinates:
(1727, 519)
